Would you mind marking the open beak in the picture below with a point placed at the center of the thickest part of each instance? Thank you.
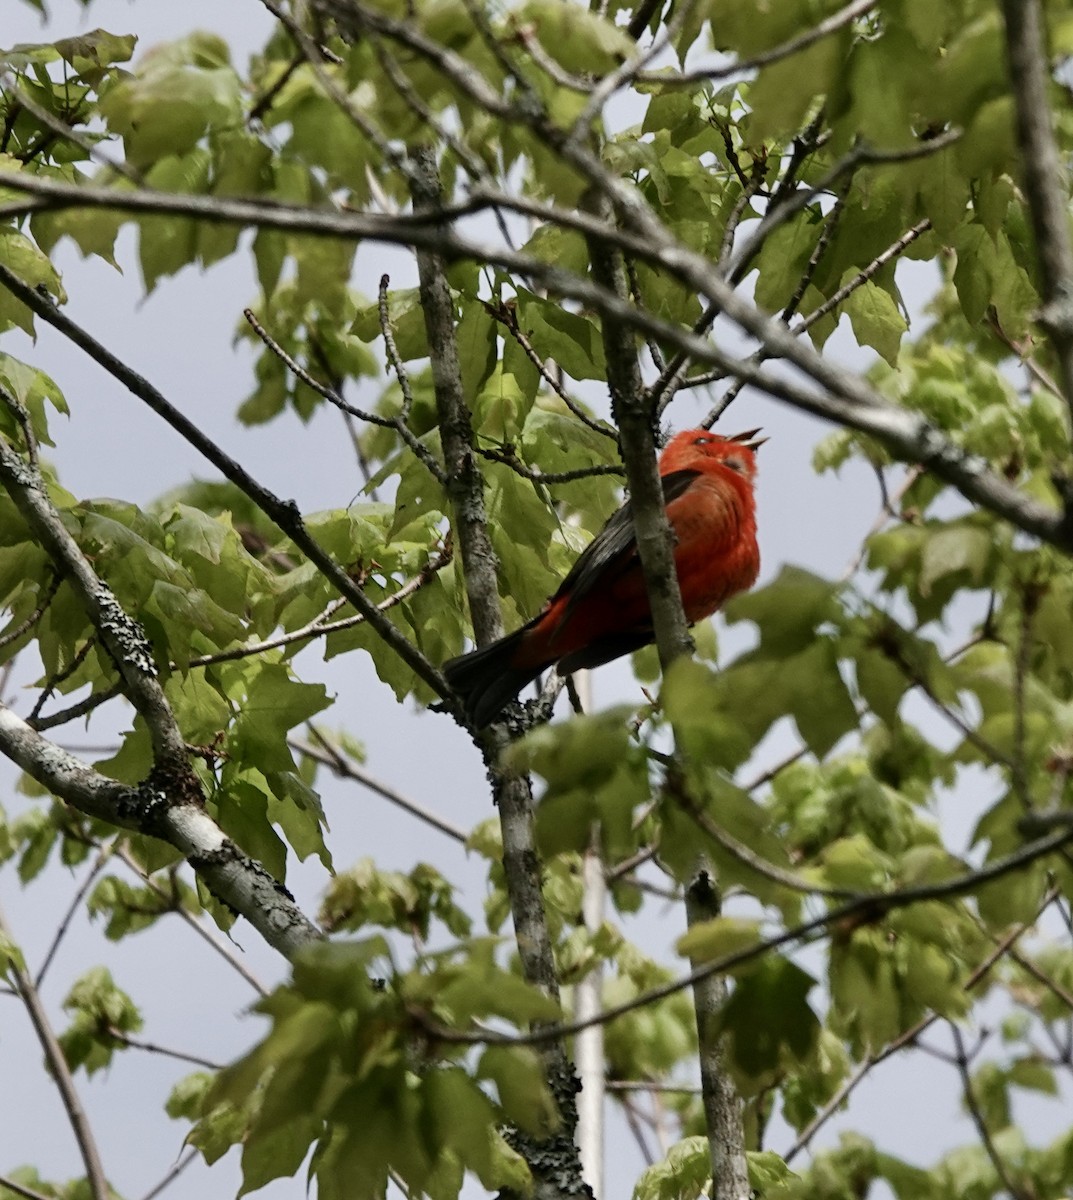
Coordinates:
(748, 439)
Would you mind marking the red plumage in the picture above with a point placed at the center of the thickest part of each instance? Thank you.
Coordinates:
(601, 608)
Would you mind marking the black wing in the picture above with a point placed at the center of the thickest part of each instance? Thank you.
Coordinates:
(614, 549)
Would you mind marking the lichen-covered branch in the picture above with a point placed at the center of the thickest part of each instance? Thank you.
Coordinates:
(122, 636)
(1047, 195)
(634, 413)
(232, 876)
(284, 513)
(554, 1161)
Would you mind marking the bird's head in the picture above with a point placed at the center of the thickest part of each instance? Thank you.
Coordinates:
(737, 452)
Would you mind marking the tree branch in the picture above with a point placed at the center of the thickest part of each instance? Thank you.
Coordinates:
(283, 513)
(237, 880)
(722, 1104)
(554, 1161)
(870, 907)
(76, 1114)
(1047, 200)
(972, 1103)
(634, 414)
(334, 759)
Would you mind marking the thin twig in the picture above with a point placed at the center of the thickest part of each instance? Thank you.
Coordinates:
(650, 1085)
(65, 921)
(172, 1175)
(320, 627)
(909, 1036)
(1030, 598)
(153, 1048)
(897, 247)
(871, 907)
(836, 21)
(509, 458)
(507, 316)
(25, 626)
(226, 952)
(61, 1075)
(61, 676)
(333, 397)
(972, 1103)
(80, 709)
(329, 755)
(20, 1189)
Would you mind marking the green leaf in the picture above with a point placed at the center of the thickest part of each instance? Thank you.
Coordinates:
(876, 319)
(276, 1153)
(572, 341)
(25, 260)
(10, 956)
(768, 1022)
(98, 1008)
(177, 95)
(954, 549)
(718, 938)
(788, 610)
(271, 704)
(579, 40)
(98, 48)
(783, 93)
(684, 1174)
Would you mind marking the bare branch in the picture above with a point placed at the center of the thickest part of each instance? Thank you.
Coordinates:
(553, 1160)
(172, 1175)
(329, 755)
(333, 397)
(133, 1043)
(1047, 200)
(61, 1075)
(870, 907)
(284, 514)
(65, 921)
(972, 1103)
(236, 879)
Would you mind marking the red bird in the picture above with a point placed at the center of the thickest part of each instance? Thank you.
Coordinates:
(601, 609)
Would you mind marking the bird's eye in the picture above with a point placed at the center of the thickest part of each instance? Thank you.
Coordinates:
(705, 439)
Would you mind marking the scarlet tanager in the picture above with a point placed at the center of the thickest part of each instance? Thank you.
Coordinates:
(601, 609)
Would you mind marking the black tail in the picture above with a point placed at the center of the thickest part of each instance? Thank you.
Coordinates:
(486, 681)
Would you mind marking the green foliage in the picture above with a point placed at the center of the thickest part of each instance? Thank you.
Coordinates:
(101, 1015)
(129, 909)
(367, 896)
(818, 764)
(336, 1073)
